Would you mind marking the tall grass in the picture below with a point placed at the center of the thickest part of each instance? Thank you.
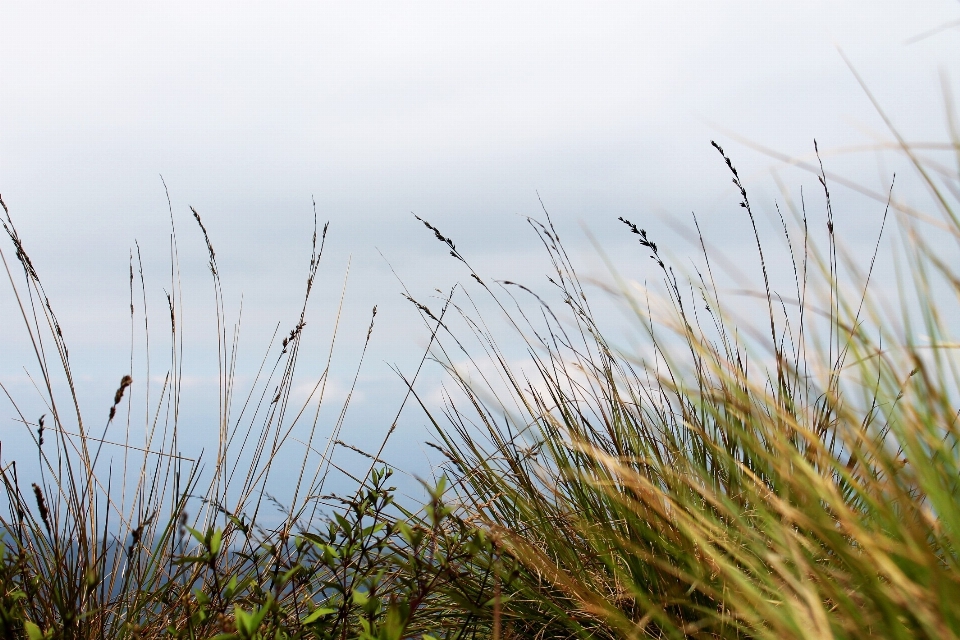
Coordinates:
(152, 544)
(793, 478)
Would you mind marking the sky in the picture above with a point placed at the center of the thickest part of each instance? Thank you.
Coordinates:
(465, 114)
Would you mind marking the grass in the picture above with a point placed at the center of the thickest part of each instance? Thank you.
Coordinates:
(793, 478)
(799, 479)
(82, 559)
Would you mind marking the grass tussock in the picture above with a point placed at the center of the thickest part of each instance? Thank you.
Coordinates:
(797, 477)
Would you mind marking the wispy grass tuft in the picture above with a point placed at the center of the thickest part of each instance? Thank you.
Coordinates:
(176, 550)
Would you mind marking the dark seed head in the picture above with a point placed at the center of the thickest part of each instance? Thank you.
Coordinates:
(42, 506)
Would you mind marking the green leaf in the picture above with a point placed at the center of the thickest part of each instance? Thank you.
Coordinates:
(33, 631)
(231, 588)
(199, 537)
(285, 578)
(216, 538)
(201, 597)
(372, 529)
(314, 538)
(330, 553)
(243, 622)
(248, 623)
(360, 598)
(317, 614)
(239, 524)
(344, 523)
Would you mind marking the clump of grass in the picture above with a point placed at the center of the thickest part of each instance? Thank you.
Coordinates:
(179, 553)
(723, 481)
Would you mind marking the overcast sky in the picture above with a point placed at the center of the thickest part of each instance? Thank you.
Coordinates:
(461, 113)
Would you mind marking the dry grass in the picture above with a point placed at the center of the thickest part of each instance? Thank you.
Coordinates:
(795, 479)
